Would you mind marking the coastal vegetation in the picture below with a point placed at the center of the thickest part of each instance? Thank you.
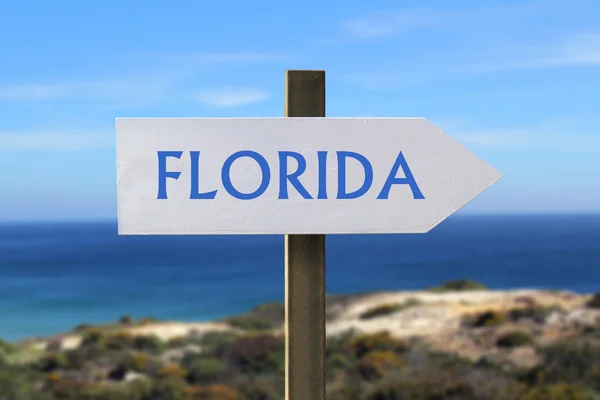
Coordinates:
(486, 346)
(459, 285)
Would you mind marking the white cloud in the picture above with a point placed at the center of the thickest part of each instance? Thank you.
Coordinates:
(576, 50)
(524, 140)
(135, 89)
(388, 80)
(229, 98)
(402, 21)
(126, 91)
(564, 135)
(34, 92)
(572, 50)
(56, 141)
(580, 49)
(234, 57)
(388, 23)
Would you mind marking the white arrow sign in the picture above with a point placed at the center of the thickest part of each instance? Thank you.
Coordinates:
(291, 176)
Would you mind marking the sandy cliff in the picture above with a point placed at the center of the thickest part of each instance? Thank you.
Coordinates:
(468, 323)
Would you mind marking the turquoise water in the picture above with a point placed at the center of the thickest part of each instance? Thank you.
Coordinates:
(55, 276)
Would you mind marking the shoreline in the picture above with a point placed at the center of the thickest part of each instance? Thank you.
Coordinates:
(407, 339)
(437, 311)
(197, 321)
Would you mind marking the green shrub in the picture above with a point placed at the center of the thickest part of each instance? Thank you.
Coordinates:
(204, 370)
(139, 389)
(256, 354)
(376, 363)
(594, 302)
(119, 341)
(538, 314)
(172, 371)
(350, 390)
(92, 336)
(76, 390)
(149, 343)
(558, 392)
(387, 309)
(337, 363)
(6, 347)
(216, 343)
(448, 361)
(177, 342)
(249, 323)
(260, 390)
(488, 319)
(54, 345)
(118, 373)
(82, 328)
(432, 385)
(380, 341)
(141, 363)
(212, 392)
(573, 361)
(337, 356)
(263, 317)
(52, 362)
(459, 285)
(272, 313)
(18, 383)
(137, 362)
(77, 358)
(339, 343)
(514, 339)
(168, 389)
(126, 320)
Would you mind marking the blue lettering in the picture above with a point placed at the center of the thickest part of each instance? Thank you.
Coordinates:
(409, 179)
(322, 155)
(195, 184)
(226, 175)
(284, 177)
(162, 171)
(342, 155)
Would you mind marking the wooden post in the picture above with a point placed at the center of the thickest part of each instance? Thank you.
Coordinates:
(305, 268)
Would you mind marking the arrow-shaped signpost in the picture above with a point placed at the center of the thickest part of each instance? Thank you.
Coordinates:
(297, 176)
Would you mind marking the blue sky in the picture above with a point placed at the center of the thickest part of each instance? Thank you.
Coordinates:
(515, 81)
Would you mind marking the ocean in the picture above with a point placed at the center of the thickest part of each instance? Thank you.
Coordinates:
(54, 276)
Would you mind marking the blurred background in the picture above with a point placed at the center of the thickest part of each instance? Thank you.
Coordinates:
(83, 311)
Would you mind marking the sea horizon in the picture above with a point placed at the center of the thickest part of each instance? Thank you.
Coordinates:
(59, 274)
(459, 214)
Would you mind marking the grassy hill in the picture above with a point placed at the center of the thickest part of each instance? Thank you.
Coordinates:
(456, 341)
